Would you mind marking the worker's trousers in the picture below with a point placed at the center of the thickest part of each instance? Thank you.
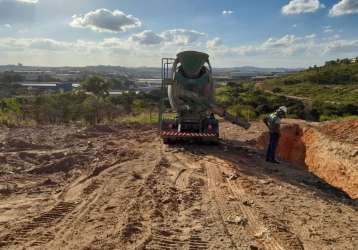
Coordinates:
(271, 149)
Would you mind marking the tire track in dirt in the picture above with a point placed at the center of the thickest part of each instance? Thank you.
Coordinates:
(285, 239)
(225, 210)
(272, 235)
(91, 192)
(105, 196)
(160, 242)
(254, 227)
(182, 178)
(189, 231)
(164, 239)
(64, 230)
(279, 239)
(195, 169)
(158, 197)
(95, 196)
(60, 229)
(45, 220)
(219, 193)
(171, 236)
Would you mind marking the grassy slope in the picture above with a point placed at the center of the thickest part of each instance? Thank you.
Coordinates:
(334, 82)
(332, 93)
(244, 100)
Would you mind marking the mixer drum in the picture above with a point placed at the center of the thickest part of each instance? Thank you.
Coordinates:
(193, 87)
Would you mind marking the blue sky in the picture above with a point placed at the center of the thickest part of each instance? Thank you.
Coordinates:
(280, 33)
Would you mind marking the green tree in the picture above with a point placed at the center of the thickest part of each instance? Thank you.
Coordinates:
(97, 86)
(96, 110)
(10, 111)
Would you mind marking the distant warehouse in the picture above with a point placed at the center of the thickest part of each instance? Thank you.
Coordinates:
(49, 86)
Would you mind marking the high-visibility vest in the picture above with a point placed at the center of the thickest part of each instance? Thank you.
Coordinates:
(273, 122)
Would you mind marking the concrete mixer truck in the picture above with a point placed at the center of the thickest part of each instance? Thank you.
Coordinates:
(188, 88)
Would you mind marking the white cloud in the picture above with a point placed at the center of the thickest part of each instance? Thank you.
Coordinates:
(336, 36)
(147, 37)
(170, 40)
(181, 36)
(328, 29)
(104, 20)
(286, 46)
(33, 43)
(118, 51)
(27, 1)
(301, 6)
(284, 41)
(227, 12)
(147, 45)
(344, 7)
(8, 26)
(48, 44)
(214, 43)
(288, 50)
(342, 47)
(311, 36)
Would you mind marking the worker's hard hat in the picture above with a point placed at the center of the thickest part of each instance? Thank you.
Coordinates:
(282, 109)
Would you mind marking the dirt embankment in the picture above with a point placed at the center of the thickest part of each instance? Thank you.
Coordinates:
(328, 150)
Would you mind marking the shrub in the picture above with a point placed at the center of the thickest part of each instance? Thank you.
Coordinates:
(96, 110)
(277, 90)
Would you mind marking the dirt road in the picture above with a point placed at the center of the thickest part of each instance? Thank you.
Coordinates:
(121, 188)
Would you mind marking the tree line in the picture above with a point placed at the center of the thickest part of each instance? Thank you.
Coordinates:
(91, 104)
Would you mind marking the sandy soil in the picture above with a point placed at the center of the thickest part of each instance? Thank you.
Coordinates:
(121, 188)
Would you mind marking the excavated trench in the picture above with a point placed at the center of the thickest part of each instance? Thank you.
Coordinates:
(329, 151)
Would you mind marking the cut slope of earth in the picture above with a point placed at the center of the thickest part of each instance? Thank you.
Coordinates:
(328, 150)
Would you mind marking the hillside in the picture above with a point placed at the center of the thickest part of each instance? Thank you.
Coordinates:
(336, 82)
(330, 90)
(339, 72)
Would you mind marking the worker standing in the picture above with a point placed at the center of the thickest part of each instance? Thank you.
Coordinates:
(273, 122)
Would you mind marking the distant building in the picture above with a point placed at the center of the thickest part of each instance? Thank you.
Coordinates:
(148, 82)
(70, 76)
(48, 86)
(33, 75)
(114, 92)
(147, 85)
(261, 78)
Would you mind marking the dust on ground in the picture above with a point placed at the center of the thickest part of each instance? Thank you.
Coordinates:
(119, 187)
